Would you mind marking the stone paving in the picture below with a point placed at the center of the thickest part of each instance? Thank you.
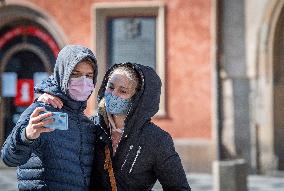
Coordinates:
(198, 182)
(8, 181)
(203, 182)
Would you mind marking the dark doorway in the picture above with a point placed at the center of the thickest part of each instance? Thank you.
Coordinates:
(27, 56)
(23, 65)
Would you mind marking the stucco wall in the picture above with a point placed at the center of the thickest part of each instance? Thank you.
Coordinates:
(188, 71)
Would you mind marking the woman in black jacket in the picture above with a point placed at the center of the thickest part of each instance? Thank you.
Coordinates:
(138, 152)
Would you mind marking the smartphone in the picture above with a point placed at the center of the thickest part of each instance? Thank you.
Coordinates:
(60, 121)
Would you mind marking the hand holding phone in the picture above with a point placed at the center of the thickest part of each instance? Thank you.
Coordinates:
(36, 123)
(60, 121)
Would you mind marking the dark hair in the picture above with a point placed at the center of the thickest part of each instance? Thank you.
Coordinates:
(89, 60)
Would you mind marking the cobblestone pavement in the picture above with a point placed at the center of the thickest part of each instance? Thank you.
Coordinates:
(198, 182)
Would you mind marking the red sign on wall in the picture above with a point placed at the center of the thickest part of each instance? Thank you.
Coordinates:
(25, 92)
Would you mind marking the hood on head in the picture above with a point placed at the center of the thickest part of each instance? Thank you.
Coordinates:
(146, 101)
(66, 61)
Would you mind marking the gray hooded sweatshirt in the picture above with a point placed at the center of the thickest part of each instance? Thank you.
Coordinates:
(59, 160)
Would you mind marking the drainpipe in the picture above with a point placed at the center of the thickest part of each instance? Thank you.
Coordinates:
(217, 81)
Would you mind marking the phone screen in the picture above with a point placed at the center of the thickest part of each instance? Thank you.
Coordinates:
(60, 121)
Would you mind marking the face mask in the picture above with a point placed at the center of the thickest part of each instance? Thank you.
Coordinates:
(116, 105)
(80, 88)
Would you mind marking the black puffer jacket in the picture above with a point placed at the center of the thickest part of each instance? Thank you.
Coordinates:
(145, 153)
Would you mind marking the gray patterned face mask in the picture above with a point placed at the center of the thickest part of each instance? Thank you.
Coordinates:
(116, 105)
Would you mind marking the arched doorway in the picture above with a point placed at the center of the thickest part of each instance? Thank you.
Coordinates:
(28, 52)
(269, 102)
(278, 92)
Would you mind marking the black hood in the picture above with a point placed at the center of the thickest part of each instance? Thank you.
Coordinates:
(66, 61)
(146, 101)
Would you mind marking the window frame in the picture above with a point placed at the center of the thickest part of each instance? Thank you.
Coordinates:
(102, 11)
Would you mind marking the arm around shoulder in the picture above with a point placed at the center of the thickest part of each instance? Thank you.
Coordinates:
(168, 168)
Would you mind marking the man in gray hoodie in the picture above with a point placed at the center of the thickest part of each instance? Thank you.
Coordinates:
(50, 159)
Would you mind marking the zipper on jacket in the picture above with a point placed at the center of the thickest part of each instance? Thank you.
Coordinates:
(137, 154)
(130, 148)
(81, 151)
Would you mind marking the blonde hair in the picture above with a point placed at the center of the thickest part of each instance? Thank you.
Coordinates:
(129, 72)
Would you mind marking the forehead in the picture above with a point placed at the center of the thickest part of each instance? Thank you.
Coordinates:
(84, 66)
(120, 79)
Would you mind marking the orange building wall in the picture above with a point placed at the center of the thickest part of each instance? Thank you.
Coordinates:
(188, 69)
(188, 64)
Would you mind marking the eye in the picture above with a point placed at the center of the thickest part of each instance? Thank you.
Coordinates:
(123, 91)
(90, 76)
(75, 75)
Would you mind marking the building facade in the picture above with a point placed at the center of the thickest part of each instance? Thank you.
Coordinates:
(171, 36)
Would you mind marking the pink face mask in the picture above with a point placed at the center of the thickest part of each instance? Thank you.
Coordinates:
(80, 88)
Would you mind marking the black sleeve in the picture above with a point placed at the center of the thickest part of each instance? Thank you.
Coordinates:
(168, 167)
(17, 148)
(100, 132)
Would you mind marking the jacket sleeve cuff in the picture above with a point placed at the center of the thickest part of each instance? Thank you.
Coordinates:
(24, 138)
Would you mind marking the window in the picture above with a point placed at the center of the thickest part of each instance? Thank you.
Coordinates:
(131, 39)
(130, 32)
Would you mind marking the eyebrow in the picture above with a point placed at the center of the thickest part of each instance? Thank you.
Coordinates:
(81, 72)
(124, 88)
(119, 86)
